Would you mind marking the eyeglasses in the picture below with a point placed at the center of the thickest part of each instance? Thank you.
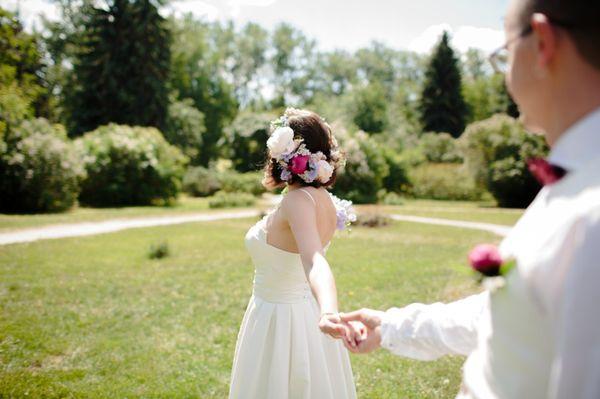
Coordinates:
(499, 58)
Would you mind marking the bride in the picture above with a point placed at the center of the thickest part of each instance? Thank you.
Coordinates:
(286, 346)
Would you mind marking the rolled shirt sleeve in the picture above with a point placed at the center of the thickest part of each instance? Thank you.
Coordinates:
(426, 332)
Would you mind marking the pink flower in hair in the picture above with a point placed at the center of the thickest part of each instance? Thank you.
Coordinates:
(299, 164)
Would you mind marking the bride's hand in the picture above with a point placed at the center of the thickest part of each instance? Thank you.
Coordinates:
(332, 325)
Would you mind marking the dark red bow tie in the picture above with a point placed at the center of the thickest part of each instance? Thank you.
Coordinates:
(544, 171)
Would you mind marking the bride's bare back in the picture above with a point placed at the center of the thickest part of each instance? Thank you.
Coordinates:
(312, 204)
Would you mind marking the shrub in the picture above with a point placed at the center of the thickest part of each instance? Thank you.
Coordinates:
(246, 141)
(440, 148)
(201, 182)
(443, 182)
(40, 169)
(496, 152)
(365, 170)
(413, 156)
(397, 179)
(250, 182)
(392, 199)
(158, 251)
(185, 127)
(204, 182)
(372, 220)
(229, 200)
(129, 166)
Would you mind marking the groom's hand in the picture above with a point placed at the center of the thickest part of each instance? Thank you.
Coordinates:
(371, 319)
(331, 325)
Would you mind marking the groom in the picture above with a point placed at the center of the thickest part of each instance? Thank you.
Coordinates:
(539, 335)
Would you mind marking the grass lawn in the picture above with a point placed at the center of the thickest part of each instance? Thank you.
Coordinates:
(456, 210)
(93, 317)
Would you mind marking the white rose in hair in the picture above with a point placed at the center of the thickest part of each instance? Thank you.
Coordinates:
(281, 142)
(325, 171)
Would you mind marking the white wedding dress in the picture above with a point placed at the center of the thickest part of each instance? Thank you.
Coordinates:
(280, 351)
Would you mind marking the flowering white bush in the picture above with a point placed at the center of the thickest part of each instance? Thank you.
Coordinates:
(40, 170)
(129, 166)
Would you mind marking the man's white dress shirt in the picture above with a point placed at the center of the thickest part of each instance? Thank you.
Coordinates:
(538, 336)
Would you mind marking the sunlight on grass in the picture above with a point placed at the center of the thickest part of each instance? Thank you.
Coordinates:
(95, 317)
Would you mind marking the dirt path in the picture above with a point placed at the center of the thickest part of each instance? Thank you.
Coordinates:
(497, 229)
(109, 226)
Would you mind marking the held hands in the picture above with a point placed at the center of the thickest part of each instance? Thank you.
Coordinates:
(359, 330)
(368, 322)
(332, 325)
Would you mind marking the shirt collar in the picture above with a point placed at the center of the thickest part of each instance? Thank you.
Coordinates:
(579, 144)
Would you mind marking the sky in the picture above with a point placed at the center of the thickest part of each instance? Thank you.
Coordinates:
(343, 24)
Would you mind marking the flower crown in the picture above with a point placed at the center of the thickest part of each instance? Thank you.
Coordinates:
(294, 158)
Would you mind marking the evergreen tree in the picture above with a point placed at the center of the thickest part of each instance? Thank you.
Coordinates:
(122, 68)
(442, 106)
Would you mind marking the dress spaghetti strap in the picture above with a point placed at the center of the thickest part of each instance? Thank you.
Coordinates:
(309, 195)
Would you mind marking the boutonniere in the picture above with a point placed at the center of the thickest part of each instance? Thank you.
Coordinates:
(492, 269)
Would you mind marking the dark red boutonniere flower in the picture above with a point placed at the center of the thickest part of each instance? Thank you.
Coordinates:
(487, 261)
(544, 172)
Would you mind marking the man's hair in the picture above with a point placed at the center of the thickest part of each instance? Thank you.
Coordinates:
(581, 18)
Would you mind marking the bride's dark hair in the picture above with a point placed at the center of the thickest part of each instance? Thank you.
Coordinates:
(317, 137)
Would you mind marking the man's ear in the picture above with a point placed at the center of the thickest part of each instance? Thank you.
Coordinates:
(546, 41)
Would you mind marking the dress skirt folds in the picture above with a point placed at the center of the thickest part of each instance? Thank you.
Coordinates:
(280, 351)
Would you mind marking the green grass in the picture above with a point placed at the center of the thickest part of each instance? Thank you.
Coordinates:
(93, 317)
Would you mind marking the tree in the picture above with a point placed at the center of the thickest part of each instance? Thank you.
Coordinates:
(251, 45)
(484, 91)
(292, 60)
(185, 127)
(197, 72)
(22, 89)
(486, 96)
(61, 39)
(442, 106)
(403, 108)
(509, 105)
(246, 138)
(370, 108)
(121, 70)
(474, 64)
(376, 64)
(337, 72)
